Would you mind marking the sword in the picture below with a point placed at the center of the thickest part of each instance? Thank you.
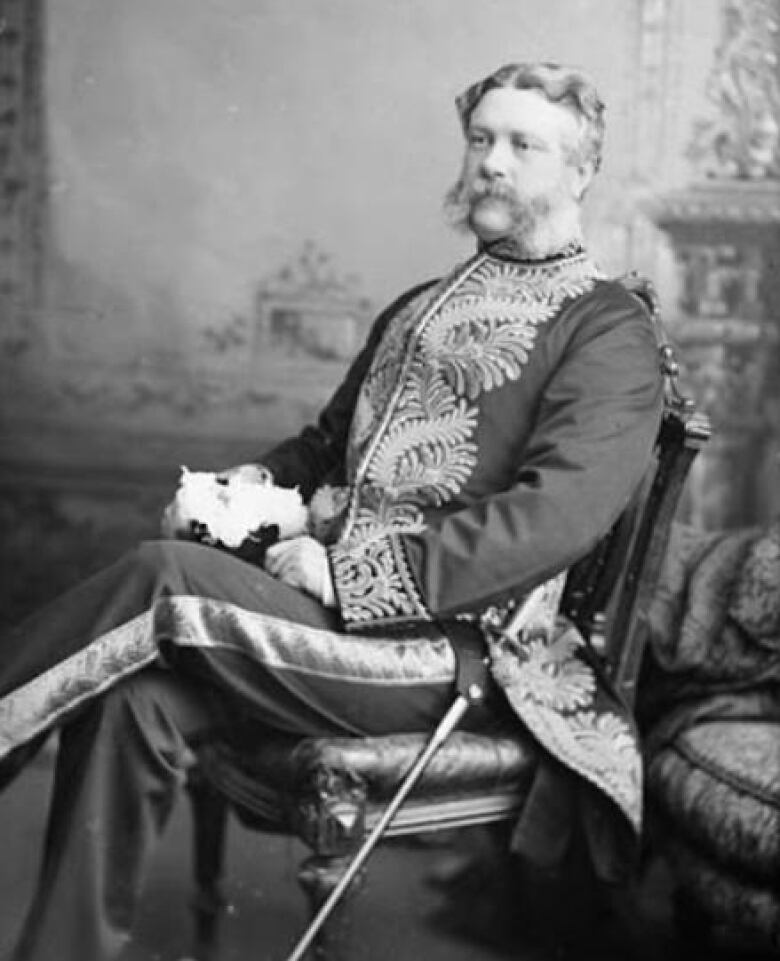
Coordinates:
(470, 683)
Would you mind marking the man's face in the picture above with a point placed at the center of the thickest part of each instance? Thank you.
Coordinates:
(518, 167)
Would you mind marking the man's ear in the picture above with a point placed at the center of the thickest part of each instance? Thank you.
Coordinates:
(581, 176)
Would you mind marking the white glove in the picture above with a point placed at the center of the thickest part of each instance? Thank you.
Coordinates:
(302, 562)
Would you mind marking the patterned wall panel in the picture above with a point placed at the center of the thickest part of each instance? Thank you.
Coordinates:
(23, 213)
(725, 232)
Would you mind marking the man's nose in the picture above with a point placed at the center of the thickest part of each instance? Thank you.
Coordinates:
(495, 162)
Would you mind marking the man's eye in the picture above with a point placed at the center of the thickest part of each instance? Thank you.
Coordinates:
(520, 143)
(477, 140)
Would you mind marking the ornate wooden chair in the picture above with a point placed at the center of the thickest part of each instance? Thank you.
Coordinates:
(330, 791)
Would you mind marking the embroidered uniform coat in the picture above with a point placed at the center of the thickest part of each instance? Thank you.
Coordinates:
(488, 435)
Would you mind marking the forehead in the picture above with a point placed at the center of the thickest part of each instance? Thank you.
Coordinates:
(528, 111)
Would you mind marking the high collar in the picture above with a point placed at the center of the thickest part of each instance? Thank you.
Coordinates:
(506, 249)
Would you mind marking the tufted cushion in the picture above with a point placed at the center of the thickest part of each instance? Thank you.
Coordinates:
(719, 784)
(738, 908)
(755, 601)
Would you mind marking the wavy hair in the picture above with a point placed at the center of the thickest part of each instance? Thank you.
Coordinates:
(560, 84)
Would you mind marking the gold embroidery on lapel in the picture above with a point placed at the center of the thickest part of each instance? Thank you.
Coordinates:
(382, 379)
(412, 443)
(426, 454)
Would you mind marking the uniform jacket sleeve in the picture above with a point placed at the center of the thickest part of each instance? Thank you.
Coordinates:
(589, 448)
(318, 452)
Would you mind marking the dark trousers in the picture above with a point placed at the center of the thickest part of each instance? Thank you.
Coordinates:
(120, 766)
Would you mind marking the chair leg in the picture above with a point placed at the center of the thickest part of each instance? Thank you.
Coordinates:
(209, 821)
(329, 817)
(318, 876)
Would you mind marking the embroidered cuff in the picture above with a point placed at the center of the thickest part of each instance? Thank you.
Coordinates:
(374, 584)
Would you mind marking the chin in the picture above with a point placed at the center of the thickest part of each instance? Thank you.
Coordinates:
(490, 225)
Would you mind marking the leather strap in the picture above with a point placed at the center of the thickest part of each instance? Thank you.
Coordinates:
(472, 676)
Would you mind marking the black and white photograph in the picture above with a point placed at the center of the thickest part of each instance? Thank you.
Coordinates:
(389, 480)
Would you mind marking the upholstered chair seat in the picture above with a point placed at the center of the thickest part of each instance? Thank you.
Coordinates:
(471, 773)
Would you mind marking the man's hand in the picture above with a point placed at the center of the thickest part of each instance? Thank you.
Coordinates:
(302, 562)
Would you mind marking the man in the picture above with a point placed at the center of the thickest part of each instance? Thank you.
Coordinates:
(489, 433)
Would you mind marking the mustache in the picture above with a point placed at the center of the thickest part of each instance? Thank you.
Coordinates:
(490, 188)
(527, 214)
(470, 193)
(462, 196)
